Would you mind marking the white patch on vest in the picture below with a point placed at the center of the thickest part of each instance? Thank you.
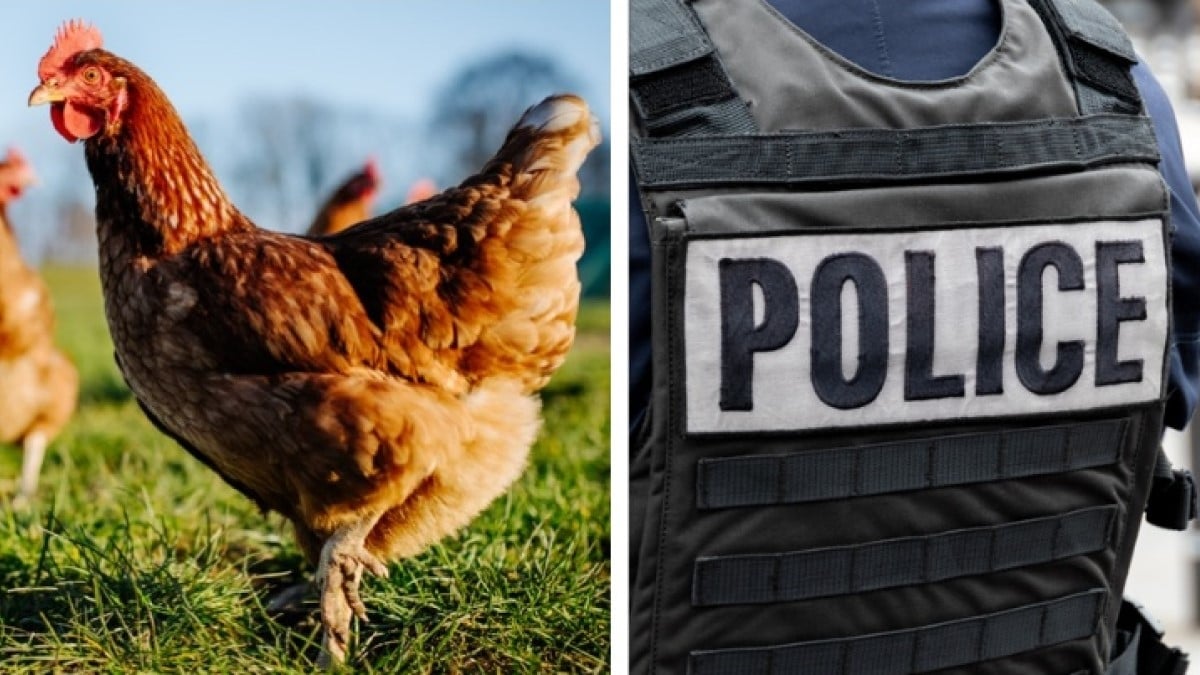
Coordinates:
(783, 394)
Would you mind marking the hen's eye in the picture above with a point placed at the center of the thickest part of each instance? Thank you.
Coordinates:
(91, 75)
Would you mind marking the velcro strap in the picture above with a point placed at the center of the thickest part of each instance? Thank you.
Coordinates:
(696, 83)
(858, 155)
(1172, 502)
(1088, 21)
(730, 116)
(801, 575)
(1108, 76)
(918, 650)
(1097, 68)
(1096, 53)
(663, 34)
(677, 84)
(856, 471)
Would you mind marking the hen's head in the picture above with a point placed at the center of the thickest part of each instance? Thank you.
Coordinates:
(363, 185)
(421, 190)
(79, 81)
(15, 175)
(366, 183)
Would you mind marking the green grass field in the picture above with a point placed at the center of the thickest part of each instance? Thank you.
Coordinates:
(138, 559)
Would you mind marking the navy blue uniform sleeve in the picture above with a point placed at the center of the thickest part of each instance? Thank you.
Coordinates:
(1184, 379)
(639, 309)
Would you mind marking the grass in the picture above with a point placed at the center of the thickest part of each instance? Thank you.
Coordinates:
(137, 559)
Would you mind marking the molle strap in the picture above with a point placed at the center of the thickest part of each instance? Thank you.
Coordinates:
(1096, 54)
(843, 570)
(918, 650)
(863, 155)
(839, 473)
(677, 84)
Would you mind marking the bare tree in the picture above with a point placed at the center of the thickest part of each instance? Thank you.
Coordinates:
(284, 155)
(479, 104)
(290, 150)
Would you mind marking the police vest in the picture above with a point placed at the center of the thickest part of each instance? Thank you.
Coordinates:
(909, 351)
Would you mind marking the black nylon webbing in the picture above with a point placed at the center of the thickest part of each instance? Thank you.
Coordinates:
(677, 83)
(729, 116)
(1099, 69)
(1096, 54)
(842, 570)
(663, 34)
(839, 473)
(889, 154)
(918, 650)
(698, 83)
(1090, 22)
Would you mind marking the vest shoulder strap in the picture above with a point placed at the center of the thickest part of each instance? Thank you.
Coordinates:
(1096, 54)
(677, 84)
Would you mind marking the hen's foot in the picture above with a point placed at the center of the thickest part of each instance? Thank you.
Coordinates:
(339, 574)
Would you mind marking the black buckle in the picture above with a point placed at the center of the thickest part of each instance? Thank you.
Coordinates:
(1172, 502)
(1145, 653)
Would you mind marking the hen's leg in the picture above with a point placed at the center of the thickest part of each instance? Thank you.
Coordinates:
(31, 466)
(339, 572)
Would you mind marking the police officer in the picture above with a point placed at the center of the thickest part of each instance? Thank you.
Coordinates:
(922, 41)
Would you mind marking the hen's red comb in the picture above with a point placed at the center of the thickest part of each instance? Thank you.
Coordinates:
(372, 169)
(73, 36)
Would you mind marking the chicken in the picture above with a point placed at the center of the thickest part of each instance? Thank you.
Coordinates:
(38, 384)
(419, 191)
(352, 202)
(375, 387)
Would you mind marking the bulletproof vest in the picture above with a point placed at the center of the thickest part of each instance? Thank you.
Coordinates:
(909, 348)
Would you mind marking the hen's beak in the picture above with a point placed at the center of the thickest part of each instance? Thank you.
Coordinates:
(43, 94)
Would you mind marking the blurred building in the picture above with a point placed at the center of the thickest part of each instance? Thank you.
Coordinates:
(1166, 567)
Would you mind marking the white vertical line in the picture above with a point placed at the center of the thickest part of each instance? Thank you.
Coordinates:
(620, 196)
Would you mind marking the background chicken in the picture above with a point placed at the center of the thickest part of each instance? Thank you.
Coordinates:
(352, 202)
(420, 190)
(375, 387)
(38, 385)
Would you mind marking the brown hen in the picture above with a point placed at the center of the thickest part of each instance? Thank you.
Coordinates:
(351, 202)
(38, 384)
(376, 386)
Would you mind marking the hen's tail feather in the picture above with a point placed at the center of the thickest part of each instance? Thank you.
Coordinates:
(546, 147)
(567, 119)
(505, 243)
(530, 337)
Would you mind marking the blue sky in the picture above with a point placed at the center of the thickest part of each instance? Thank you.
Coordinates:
(388, 59)
(388, 56)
